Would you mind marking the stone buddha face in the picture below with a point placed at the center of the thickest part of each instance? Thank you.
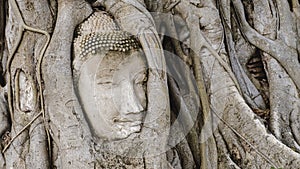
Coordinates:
(112, 91)
(110, 77)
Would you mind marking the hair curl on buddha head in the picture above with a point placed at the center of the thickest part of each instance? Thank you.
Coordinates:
(100, 33)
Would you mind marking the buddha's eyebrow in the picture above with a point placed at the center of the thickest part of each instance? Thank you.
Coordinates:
(104, 76)
(105, 72)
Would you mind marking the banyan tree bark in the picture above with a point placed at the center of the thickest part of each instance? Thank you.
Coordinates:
(233, 82)
(71, 137)
(34, 92)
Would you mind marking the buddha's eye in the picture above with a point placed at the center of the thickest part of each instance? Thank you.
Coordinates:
(104, 81)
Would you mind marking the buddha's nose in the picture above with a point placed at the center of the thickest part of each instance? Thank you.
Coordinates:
(129, 100)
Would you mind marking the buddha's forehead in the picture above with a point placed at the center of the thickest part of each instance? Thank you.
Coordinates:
(131, 62)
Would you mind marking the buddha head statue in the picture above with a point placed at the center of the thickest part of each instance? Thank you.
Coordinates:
(122, 88)
(110, 75)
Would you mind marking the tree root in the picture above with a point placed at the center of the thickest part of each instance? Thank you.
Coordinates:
(20, 132)
(284, 54)
(22, 28)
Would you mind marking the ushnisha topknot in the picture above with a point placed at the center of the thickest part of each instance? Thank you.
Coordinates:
(100, 33)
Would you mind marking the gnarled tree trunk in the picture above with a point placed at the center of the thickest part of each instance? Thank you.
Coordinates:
(233, 81)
